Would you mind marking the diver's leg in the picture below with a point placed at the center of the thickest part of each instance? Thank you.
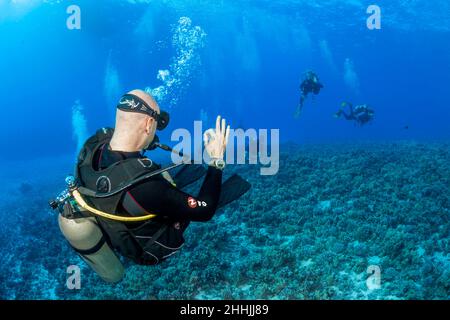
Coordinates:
(232, 189)
(347, 116)
(302, 100)
(299, 107)
(182, 225)
(350, 105)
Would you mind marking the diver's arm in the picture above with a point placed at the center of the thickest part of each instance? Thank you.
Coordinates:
(159, 197)
(162, 198)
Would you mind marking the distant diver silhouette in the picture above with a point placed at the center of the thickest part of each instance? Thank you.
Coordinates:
(361, 114)
(310, 84)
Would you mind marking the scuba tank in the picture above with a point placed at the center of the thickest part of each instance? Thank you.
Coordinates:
(85, 236)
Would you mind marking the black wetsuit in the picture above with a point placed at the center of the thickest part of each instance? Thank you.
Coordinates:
(310, 85)
(158, 196)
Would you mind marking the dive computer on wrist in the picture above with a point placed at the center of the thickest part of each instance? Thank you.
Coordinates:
(218, 163)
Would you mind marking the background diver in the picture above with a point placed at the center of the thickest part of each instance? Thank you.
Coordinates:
(122, 202)
(310, 84)
(361, 114)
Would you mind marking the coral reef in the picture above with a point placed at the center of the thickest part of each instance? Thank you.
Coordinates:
(309, 232)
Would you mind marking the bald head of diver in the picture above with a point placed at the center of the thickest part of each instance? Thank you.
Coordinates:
(134, 131)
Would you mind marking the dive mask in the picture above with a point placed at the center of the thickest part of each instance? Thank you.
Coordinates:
(132, 103)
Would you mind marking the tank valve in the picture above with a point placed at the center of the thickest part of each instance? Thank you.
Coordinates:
(64, 195)
(70, 180)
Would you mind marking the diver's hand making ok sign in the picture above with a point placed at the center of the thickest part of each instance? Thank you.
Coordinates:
(216, 140)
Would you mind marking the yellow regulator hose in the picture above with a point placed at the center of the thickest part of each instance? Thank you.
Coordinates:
(79, 199)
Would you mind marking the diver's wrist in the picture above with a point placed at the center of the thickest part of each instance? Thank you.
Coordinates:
(217, 163)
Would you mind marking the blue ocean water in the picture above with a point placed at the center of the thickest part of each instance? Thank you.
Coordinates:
(345, 197)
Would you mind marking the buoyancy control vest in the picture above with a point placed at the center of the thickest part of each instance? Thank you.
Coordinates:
(148, 242)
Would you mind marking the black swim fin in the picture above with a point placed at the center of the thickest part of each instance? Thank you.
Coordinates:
(189, 174)
(232, 189)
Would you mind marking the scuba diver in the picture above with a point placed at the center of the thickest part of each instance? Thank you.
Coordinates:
(310, 84)
(122, 202)
(361, 114)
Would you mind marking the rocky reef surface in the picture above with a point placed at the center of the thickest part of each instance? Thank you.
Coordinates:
(309, 232)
